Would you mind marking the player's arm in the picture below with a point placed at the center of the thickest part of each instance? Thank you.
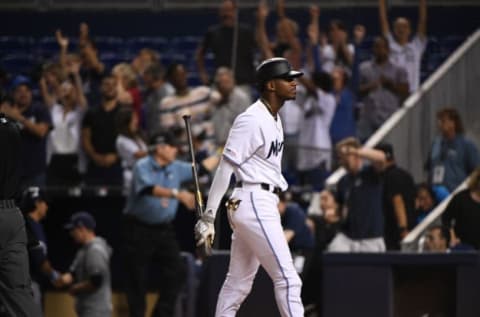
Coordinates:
(219, 186)
(382, 11)
(422, 19)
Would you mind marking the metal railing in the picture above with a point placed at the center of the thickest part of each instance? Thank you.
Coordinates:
(411, 241)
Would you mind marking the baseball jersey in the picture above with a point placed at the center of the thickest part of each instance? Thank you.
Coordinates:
(255, 146)
(409, 57)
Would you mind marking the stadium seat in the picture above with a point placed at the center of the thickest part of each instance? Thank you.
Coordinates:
(109, 43)
(18, 63)
(135, 44)
(15, 44)
(185, 43)
(110, 59)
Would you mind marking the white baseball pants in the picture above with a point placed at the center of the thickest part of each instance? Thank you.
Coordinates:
(258, 239)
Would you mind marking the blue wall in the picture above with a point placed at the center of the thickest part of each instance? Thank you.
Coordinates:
(441, 20)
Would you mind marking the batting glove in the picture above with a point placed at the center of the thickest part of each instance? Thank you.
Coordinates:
(205, 228)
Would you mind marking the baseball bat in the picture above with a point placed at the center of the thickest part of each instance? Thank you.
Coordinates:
(207, 246)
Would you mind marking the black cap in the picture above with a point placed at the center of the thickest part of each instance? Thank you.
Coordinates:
(29, 197)
(386, 148)
(164, 137)
(277, 67)
(81, 219)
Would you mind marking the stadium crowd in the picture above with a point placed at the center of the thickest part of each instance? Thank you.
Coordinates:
(86, 123)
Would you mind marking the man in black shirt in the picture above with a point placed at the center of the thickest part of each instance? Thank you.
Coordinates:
(398, 199)
(16, 298)
(99, 135)
(35, 123)
(359, 194)
(462, 214)
(220, 39)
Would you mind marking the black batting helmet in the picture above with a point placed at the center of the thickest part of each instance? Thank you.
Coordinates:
(277, 67)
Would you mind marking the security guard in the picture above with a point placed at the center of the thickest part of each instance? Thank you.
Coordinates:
(16, 297)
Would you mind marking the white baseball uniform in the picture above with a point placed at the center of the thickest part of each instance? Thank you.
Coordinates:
(253, 152)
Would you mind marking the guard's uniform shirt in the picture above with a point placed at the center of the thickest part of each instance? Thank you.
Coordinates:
(10, 145)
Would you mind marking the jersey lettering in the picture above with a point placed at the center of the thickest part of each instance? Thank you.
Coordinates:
(275, 148)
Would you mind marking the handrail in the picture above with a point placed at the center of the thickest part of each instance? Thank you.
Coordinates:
(408, 243)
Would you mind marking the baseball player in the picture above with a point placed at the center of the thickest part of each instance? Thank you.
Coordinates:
(253, 153)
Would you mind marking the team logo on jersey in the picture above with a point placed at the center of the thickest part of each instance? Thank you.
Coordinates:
(275, 148)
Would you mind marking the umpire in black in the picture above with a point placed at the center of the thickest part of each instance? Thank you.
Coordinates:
(16, 298)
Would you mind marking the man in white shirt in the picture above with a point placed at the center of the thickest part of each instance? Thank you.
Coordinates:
(253, 153)
(406, 52)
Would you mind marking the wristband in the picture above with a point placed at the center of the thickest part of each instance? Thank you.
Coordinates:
(174, 192)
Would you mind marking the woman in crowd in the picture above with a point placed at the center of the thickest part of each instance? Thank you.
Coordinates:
(127, 88)
(130, 144)
(67, 112)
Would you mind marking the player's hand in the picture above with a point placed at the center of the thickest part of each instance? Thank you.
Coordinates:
(205, 228)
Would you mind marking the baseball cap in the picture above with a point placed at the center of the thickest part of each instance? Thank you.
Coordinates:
(164, 137)
(277, 67)
(81, 219)
(20, 80)
(386, 148)
(30, 196)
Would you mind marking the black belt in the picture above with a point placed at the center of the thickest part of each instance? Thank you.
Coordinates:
(7, 203)
(264, 186)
